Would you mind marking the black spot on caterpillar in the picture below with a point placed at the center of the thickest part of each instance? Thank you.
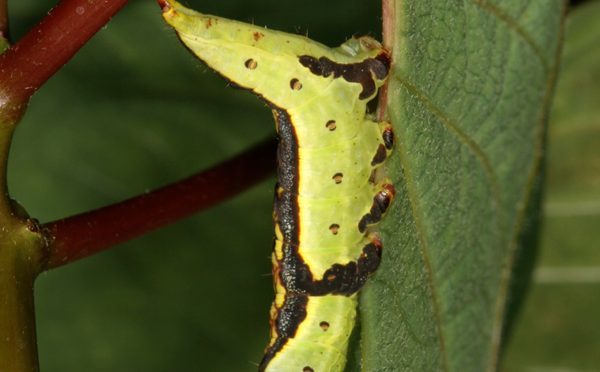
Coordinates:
(353, 72)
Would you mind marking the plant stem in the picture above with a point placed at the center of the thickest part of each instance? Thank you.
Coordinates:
(19, 266)
(21, 254)
(6, 132)
(82, 235)
(388, 8)
(26, 65)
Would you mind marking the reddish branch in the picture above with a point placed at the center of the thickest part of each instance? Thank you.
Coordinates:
(33, 60)
(88, 233)
(49, 45)
(388, 15)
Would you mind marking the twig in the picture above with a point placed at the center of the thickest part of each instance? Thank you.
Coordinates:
(88, 233)
(48, 46)
(388, 17)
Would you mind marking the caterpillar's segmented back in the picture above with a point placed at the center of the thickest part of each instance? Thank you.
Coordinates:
(330, 195)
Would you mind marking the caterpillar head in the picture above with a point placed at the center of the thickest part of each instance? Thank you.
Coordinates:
(267, 61)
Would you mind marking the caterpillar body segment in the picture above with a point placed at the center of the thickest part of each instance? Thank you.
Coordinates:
(330, 194)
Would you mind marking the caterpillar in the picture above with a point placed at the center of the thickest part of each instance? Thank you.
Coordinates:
(330, 194)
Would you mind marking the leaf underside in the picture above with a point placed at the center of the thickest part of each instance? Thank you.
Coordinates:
(468, 98)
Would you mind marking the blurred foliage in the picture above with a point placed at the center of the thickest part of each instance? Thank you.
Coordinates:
(559, 327)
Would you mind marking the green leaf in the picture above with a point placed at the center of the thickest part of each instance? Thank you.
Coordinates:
(472, 84)
(559, 325)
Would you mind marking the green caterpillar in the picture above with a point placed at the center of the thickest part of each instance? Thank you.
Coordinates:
(330, 196)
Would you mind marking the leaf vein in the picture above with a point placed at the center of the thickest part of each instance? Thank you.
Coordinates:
(513, 25)
(464, 139)
(424, 248)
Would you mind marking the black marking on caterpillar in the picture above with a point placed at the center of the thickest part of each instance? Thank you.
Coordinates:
(381, 203)
(288, 319)
(285, 205)
(361, 72)
(339, 279)
(380, 155)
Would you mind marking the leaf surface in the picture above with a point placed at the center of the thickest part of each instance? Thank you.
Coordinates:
(471, 86)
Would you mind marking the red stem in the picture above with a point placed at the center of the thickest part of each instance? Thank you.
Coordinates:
(91, 232)
(388, 8)
(49, 45)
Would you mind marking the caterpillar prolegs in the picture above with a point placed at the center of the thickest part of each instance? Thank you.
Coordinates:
(329, 197)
